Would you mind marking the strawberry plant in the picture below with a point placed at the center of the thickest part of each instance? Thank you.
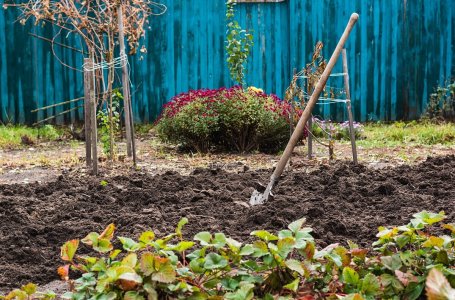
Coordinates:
(28, 292)
(409, 252)
(288, 263)
(405, 262)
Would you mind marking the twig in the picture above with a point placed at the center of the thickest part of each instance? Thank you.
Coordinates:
(66, 102)
(57, 43)
(57, 104)
(55, 116)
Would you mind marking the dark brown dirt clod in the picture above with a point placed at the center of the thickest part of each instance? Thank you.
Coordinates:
(340, 202)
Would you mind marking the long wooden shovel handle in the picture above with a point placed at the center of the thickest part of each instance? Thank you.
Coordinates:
(313, 99)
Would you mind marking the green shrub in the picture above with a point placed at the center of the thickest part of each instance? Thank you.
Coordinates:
(441, 104)
(191, 119)
(233, 119)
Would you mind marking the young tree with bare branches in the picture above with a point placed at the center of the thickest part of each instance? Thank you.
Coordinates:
(100, 24)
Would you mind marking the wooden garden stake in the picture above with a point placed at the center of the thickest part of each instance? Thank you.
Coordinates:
(310, 137)
(291, 119)
(87, 114)
(110, 97)
(331, 149)
(125, 83)
(133, 141)
(348, 106)
(94, 134)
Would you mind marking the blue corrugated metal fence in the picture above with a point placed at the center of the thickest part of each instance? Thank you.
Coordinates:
(399, 51)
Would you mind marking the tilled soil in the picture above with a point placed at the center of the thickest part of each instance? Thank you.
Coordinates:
(341, 202)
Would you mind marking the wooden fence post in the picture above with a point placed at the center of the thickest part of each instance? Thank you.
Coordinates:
(348, 106)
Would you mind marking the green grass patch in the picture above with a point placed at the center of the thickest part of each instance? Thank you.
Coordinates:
(143, 129)
(15, 137)
(411, 133)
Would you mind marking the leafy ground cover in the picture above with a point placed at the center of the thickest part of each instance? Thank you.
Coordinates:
(282, 265)
(15, 137)
(341, 203)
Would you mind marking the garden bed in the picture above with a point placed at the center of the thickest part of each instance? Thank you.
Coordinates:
(341, 202)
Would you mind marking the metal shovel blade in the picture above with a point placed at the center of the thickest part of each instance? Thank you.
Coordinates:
(260, 198)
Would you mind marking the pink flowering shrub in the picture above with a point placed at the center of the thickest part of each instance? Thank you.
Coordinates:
(191, 119)
(229, 119)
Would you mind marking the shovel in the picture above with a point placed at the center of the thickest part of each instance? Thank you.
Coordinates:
(260, 198)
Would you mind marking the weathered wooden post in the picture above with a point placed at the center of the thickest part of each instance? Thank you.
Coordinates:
(129, 126)
(87, 113)
(292, 112)
(94, 133)
(348, 106)
(310, 137)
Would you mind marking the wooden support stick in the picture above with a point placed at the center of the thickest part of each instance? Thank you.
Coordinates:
(57, 115)
(133, 141)
(66, 102)
(348, 106)
(94, 134)
(110, 78)
(125, 83)
(58, 104)
(59, 44)
(291, 118)
(310, 137)
(87, 114)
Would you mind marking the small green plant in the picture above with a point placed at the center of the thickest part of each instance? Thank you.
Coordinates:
(48, 132)
(286, 264)
(110, 124)
(103, 183)
(238, 45)
(441, 104)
